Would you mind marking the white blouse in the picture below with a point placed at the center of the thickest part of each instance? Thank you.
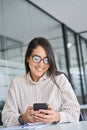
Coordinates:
(23, 92)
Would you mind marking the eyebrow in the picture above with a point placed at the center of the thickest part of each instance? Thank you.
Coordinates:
(38, 55)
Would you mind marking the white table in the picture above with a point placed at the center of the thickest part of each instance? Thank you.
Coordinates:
(83, 107)
(84, 111)
(82, 125)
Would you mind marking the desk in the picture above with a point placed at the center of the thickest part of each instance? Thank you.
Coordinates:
(84, 111)
(84, 106)
(82, 125)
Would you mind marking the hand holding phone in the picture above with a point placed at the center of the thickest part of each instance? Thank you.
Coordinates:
(37, 106)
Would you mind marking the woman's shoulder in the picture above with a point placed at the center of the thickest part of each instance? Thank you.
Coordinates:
(18, 81)
(61, 74)
(63, 81)
(19, 77)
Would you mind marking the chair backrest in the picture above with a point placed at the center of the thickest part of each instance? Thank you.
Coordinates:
(1, 108)
(81, 118)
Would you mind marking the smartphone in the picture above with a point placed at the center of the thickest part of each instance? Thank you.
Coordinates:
(37, 106)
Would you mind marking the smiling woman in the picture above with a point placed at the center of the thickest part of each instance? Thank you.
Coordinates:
(42, 83)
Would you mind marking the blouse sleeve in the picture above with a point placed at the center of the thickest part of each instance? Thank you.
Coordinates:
(70, 109)
(10, 111)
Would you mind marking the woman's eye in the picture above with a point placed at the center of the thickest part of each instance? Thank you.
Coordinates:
(36, 58)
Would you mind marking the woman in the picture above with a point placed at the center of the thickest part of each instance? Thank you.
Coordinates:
(41, 84)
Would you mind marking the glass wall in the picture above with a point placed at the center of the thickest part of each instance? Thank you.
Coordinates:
(83, 62)
(11, 62)
(74, 70)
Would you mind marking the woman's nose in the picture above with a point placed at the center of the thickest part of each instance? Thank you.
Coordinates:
(41, 62)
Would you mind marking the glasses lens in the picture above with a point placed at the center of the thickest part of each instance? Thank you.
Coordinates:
(36, 58)
(46, 60)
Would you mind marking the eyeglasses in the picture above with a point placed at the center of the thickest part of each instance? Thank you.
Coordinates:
(38, 59)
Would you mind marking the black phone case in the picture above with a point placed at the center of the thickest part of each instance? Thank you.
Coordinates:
(37, 106)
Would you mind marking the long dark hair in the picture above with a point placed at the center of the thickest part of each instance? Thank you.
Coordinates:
(49, 51)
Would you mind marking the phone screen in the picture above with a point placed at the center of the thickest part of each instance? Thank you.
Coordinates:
(37, 106)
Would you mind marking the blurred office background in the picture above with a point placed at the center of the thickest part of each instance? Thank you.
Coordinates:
(22, 20)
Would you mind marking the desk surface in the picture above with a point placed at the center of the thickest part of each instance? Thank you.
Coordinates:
(82, 125)
(84, 106)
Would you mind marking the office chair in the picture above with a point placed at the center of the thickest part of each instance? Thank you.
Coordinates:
(81, 118)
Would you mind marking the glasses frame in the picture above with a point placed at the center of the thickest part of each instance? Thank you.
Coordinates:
(40, 59)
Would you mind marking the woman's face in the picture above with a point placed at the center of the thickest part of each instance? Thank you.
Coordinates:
(36, 65)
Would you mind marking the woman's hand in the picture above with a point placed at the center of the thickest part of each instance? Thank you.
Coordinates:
(47, 116)
(28, 116)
